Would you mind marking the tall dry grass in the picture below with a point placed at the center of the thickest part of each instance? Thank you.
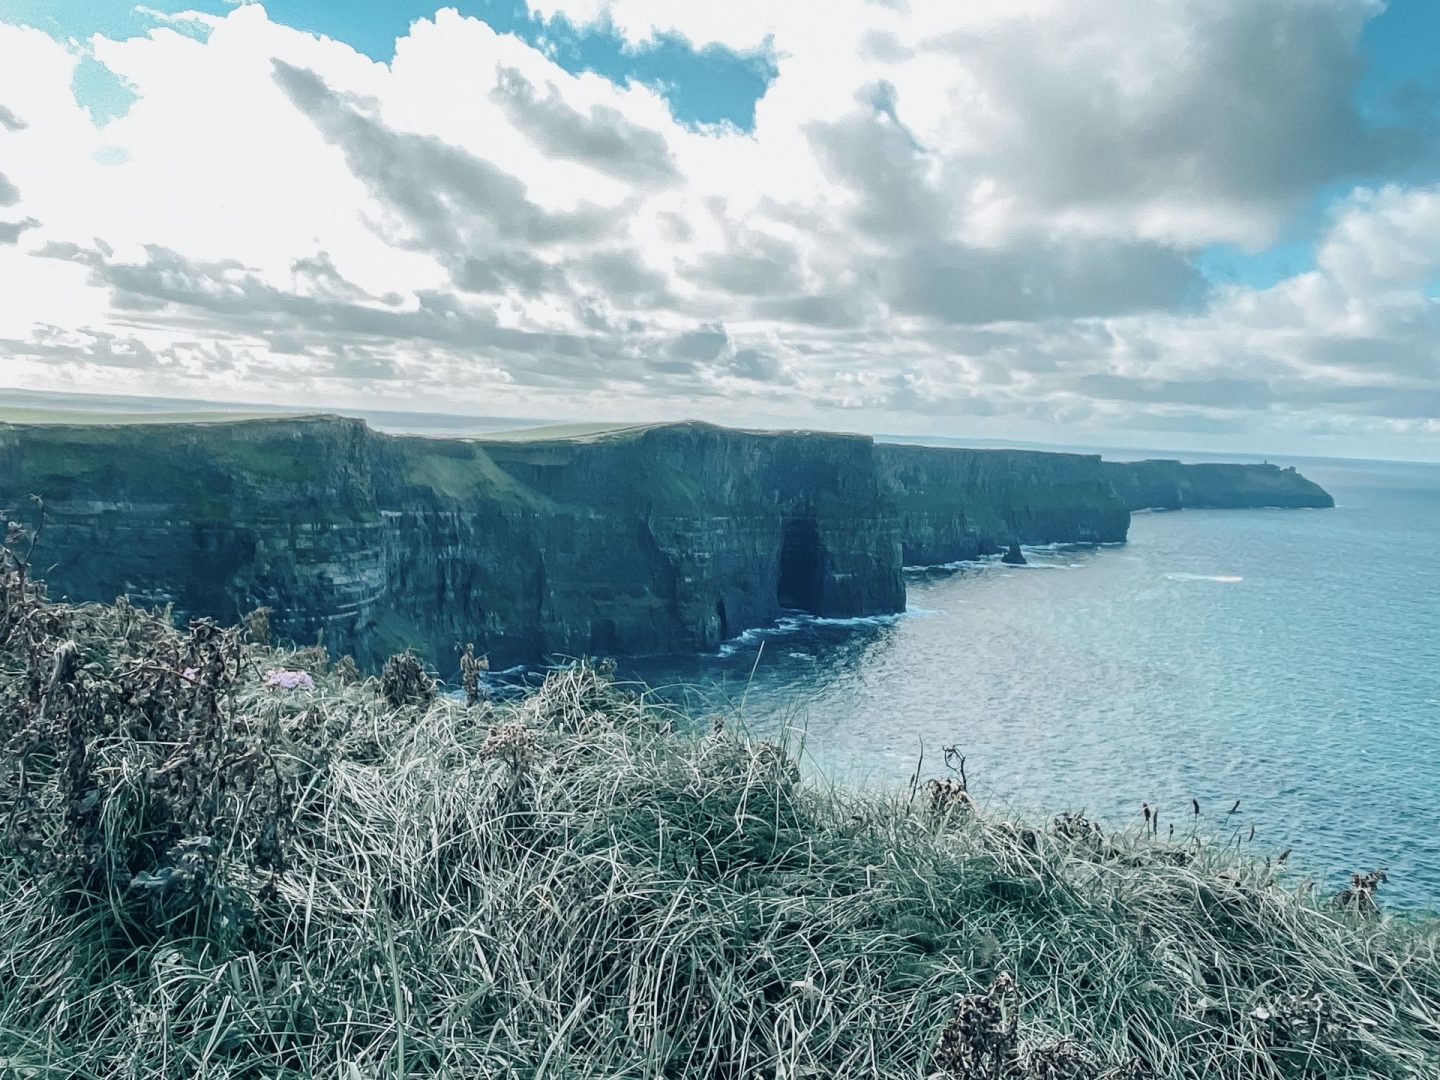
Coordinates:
(202, 875)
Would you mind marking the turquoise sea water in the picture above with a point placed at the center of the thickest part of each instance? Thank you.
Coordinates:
(1288, 659)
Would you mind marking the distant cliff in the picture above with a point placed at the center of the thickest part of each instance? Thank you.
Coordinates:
(1169, 485)
(666, 538)
(662, 538)
(959, 504)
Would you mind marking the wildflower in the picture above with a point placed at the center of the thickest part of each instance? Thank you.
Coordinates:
(946, 794)
(471, 667)
(289, 680)
(514, 744)
(1359, 895)
(1064, 1059)
(1077, 827)
(981, 1039)
(405, 682)
(190, 674)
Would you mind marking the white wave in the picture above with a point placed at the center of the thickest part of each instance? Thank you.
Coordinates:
(794, 621)
(854, 620)
(958, 564)
(1224, 579)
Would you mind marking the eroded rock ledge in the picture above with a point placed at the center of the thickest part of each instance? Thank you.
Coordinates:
(662, 538)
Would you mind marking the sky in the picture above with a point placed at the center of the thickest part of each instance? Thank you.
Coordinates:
(1210, 224)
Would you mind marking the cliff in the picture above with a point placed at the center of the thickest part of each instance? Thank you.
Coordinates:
(653, 539)
(959, 504)
(649, 539)
(1169, 485)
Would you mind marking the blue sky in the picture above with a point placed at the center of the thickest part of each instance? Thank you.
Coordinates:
(1211, 221)
(710, 85)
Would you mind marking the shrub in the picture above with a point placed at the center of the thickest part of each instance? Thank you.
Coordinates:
(405, 681)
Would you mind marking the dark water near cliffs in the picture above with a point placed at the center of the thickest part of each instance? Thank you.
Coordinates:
(1289, 659)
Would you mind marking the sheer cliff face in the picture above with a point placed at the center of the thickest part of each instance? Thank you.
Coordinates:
(652, 539)
(663, 539)
(960, 504)
(1169, 485)
(656, 539)
(216, 519)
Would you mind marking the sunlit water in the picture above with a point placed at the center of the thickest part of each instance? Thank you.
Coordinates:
(1288, 659)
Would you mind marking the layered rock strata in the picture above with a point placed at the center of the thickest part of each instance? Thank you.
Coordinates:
(650, 539)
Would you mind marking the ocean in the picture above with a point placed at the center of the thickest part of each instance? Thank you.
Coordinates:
(1287, 659)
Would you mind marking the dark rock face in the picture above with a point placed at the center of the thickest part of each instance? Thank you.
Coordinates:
(1013, 556)
(669, 538)
(1169, 485)
(658, 539)
(961, 504)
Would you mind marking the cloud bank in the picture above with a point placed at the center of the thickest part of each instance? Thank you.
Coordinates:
(987, 221)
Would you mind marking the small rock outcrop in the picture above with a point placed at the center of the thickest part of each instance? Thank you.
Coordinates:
(1013, 555)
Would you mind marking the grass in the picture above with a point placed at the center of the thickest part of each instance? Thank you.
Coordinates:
(201, 876)
(463, 470)
(25, 414)
(211, 472)
(549, 432)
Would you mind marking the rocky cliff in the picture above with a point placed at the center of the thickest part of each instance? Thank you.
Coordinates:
(666, 538)
(1169, 485)
(657, 538)
(959, 504)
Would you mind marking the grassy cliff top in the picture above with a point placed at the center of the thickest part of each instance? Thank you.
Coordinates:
(550, 432)
(27, 414)
(222, 859)
(603, 432)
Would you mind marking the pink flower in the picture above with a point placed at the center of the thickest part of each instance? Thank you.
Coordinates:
(289, 680)
(190, 674)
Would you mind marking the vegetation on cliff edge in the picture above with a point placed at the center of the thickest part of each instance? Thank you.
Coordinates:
(223, 859)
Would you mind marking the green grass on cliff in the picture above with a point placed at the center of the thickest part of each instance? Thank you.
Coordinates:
(26, 414)
(201, 876)
(552, 432)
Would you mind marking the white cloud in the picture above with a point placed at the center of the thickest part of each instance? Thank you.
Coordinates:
(981, 218)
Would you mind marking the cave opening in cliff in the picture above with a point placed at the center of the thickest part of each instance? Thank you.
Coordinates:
(800, 576)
